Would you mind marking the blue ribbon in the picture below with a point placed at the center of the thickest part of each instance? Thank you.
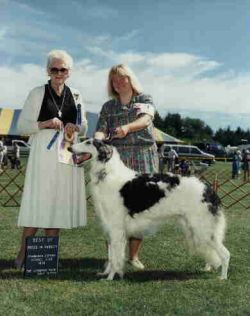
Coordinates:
(53, 139)
(79, 115)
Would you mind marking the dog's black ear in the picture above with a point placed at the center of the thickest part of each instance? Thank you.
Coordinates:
(97, 143)
(107, 141)
(104, 151)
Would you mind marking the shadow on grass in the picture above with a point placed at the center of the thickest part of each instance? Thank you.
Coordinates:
(85, 269)
(161, 275)
(81, 269)
(81, 263)
(8, 271)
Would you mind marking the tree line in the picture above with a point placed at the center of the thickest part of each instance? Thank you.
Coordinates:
(196, 130)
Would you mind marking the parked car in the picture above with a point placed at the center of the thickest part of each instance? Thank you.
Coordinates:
(189, 152)
(213, 148)
(24, 147)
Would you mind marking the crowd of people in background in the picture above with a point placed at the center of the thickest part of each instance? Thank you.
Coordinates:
(241, 161)
(12, 158)
(246, 164)
(3, 155)
(173, 163)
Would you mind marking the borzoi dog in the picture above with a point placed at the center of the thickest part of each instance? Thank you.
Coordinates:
(128, 204)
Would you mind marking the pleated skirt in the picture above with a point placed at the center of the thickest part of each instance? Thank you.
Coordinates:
(54, 192)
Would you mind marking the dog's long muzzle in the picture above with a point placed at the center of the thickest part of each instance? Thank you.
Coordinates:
(79, 159)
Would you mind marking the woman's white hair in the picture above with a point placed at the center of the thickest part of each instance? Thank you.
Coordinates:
(59, 54)
(124, 71)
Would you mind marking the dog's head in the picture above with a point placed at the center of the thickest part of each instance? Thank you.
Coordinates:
(91, 149)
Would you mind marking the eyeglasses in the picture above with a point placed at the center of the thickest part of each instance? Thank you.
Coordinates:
(55, 70)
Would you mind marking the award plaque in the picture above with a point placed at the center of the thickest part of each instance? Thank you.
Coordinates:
(41, 257)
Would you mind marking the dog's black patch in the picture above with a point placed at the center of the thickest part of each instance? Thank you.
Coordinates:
(213, 200)
(105, 151)
(143, 191)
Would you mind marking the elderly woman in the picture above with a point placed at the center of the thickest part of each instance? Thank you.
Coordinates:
(54, 192)
(127, 120)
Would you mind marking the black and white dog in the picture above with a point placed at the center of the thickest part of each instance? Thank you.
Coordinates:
(128, 204)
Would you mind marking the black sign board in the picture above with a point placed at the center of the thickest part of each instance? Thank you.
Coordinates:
(41, 256)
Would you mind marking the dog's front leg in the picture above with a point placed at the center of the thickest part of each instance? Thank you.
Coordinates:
(107, 265)
(117, 253)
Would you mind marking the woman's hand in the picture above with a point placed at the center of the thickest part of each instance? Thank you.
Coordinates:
(69, 131)
(70, 128)
(122, 131)
(54, 123)
(99, 136)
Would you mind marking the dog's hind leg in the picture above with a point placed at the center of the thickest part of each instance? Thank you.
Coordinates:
(224, 255)
(207, 268)
(219, 256)
(213, 261)
(117, 253)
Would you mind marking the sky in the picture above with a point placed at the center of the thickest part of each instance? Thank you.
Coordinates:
(192, 56)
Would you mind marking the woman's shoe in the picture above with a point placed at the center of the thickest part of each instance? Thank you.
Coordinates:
(136, 263)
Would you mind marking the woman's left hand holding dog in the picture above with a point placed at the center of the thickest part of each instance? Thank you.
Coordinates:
(121, 132)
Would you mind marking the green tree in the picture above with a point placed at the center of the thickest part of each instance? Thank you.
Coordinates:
(195, 130)
(173, 124)
(158, 121)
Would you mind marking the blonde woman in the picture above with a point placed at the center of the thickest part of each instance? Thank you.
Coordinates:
(128, 120)
(54, 193)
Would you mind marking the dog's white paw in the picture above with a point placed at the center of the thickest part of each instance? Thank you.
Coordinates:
(111, 276)
(107, 269)
(207, 268)
(102, 273)
(222, 278)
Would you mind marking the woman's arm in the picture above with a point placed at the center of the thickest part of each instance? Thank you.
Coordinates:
(27, 122)
(142, 122)
(145, 105)
(102, 124)
(145, 110)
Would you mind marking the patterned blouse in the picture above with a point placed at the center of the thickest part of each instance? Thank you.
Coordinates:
(114, 114)
(138, 149)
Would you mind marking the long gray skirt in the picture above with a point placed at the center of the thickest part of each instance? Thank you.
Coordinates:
(54, 193)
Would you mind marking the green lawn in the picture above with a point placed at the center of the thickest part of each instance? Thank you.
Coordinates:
(172, 284)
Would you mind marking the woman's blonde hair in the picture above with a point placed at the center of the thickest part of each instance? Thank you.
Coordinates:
(59, 54)
(123, 71)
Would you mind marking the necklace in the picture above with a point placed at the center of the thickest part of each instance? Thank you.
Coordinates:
(59, 110)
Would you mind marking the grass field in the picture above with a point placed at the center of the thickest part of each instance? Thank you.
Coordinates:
(172, 284)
